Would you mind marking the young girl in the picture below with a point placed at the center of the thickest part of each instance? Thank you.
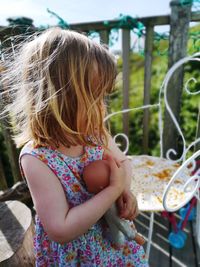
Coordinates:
(60, 80)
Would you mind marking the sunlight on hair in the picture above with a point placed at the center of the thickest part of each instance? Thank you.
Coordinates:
(54, 87)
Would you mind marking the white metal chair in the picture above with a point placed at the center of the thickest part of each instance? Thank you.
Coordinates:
(182, 182)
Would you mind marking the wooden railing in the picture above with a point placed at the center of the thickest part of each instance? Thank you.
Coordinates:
(179, 21)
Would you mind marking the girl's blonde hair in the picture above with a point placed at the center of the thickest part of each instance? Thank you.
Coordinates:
(57, 84)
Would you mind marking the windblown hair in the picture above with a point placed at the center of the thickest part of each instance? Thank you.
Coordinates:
(58, 82)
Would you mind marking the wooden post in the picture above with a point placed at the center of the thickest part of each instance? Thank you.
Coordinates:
(197, 146)
(179, 24)
(104, 37)
(147, 84)
(10, 146)
(16, 235)
(3, 182)
(126, 72)
(12, 153)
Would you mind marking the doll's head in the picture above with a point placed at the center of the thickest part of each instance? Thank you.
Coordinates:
(58, 81)
(96, 175)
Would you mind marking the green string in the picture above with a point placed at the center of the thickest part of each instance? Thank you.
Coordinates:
(113, 37)
(138, 29)
(158, 38)
(194, 3)
(93, 34)
(61, 22)
(125, 22)
(188, 2)
(128, 22)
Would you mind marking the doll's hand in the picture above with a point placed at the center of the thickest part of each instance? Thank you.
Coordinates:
(127, 205)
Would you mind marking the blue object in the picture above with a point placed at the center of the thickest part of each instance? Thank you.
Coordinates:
(183, 212)
(177, 240)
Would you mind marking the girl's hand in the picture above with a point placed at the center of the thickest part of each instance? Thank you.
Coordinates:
(127, 205)
(116, 173)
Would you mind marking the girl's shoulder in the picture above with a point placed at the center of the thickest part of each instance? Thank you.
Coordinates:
(43, 154)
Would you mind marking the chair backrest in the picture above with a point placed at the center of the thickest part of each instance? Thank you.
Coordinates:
(162, 97)
(186, 146)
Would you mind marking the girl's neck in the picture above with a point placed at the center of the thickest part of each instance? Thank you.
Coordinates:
(72, 151)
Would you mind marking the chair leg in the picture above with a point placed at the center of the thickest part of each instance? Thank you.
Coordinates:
(150, 234)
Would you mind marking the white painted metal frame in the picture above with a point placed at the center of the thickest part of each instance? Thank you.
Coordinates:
(194, 178)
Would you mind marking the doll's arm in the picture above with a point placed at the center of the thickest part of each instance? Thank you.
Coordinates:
(119, 226)
(116, 235)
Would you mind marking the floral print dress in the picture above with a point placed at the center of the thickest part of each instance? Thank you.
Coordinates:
(94, 248)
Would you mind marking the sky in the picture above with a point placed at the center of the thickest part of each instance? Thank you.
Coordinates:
(74, 11)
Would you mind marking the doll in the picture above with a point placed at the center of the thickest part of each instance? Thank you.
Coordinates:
(96, 177)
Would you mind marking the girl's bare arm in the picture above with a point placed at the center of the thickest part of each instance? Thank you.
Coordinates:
(61, 223)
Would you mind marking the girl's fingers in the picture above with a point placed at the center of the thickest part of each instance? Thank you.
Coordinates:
(110, 161)
(106, 154)
(130, 207)
(136, 212)
(126, 212)
(116, 173)
(104, 157)
(117, 162)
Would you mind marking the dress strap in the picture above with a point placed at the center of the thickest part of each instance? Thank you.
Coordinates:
(41, 153)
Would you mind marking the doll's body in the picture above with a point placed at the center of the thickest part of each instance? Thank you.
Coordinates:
(96, 176)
